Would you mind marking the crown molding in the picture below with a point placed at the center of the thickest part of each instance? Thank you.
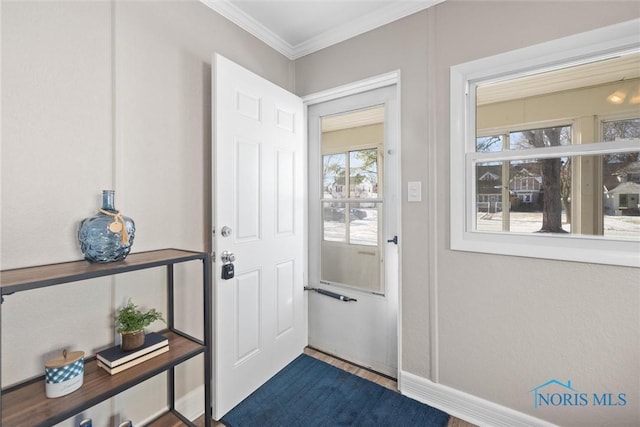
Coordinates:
(367, 22)
(250, 25)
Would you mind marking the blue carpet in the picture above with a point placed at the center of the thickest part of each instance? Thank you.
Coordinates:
(312, 393)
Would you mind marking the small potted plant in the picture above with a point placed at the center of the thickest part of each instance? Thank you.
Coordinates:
(130, 323)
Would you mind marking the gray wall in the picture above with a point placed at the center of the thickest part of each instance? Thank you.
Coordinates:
(116, 95)
(99, 95)
(503, 325)
(401, 45)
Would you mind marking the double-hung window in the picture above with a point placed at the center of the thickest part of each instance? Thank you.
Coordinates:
(545, 150)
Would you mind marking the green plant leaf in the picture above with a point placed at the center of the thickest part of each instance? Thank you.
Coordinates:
(130, 318)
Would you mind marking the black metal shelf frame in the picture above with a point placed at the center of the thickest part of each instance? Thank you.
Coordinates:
(141, 261)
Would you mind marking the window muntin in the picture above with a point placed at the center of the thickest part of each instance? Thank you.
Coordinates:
(586, 239)
(542, 187)
(520, 186)
(537, 192)
(523, 194)
(351, 176)
(508, 190)
(350, 182)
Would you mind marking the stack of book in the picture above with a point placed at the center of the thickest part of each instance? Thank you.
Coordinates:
(114, 359)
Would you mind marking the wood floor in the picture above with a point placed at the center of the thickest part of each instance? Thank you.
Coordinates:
(361, 372)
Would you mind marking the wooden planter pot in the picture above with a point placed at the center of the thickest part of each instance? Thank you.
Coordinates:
(132, 340)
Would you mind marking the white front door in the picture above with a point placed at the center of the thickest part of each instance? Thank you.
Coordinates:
(258, 215)
(354, 199)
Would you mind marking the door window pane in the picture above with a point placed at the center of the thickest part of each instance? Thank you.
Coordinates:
(363, 176)
(333, 218)
(363, 224)
(351, 199)
(334, 167)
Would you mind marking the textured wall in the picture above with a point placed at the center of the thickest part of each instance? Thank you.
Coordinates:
(101, 94)
(108, 94)
(507, 324)
(503, 325)
(398, 46)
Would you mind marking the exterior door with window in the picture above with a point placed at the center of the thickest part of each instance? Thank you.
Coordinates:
(353, 202)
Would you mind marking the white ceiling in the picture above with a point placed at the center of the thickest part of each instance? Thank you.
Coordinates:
(299, 27)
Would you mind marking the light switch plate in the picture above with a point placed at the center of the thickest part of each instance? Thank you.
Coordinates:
(414, 191)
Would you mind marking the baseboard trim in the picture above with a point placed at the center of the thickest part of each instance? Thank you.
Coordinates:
(463, 405)
(190, 405)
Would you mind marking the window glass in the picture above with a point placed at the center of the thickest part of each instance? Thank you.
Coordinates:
(528, 192)
(333, 218)
(351, 199)
(554, 150)
(333, 175)
(363, 177)
(363, 224)
(621, 181)
(540, 195)
(540, 138)
(489, 143)
(535, 203)
(351, 222)
(489, 196)
(613, 130)
(536, 193)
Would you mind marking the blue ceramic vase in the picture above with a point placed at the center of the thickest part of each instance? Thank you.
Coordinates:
(108, 235)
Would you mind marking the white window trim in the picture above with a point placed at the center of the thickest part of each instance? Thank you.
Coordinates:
(573, 50)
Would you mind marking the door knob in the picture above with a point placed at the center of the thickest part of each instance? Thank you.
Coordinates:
(226, 231)
(227, 257)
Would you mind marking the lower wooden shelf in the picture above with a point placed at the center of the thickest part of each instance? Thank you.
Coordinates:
(27, 405)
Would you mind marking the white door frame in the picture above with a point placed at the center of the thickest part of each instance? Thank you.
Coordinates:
(354, 88)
